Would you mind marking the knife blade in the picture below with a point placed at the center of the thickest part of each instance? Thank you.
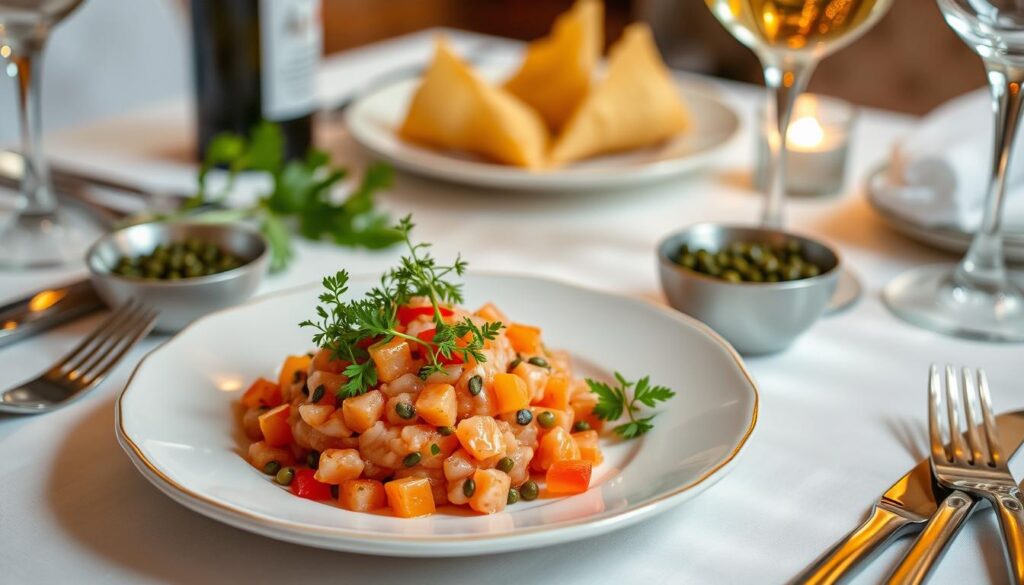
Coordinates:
(45, 309)
(903, 509)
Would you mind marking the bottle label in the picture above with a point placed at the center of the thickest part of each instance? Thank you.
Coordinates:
(291, 42)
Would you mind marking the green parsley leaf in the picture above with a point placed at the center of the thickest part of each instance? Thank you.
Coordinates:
(614, 401)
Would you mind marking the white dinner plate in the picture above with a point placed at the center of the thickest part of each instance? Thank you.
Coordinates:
(375, 118)
(944, 237)
(175, 420)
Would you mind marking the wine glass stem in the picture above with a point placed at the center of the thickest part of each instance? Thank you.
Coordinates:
(36, 187)
(984, 267)
(786, 79)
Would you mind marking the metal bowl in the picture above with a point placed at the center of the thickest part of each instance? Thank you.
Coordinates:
(756, 318)
(178, 301)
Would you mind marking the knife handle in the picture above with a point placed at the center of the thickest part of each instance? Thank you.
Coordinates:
(45, 309)
(931, 545)
(881, 527)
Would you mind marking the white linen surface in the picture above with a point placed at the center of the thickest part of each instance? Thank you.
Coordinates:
(842, 412)
(940, 171)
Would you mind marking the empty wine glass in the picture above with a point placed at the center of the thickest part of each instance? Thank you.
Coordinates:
(976, 298)
(38, 233)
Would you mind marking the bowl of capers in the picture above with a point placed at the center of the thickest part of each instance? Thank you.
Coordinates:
(182, 269)
(759, 288)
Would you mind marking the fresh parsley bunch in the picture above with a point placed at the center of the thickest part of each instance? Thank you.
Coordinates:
(348, 327)
(300, 196)
(614, 401)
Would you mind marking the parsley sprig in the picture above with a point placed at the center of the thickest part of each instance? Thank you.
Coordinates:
(300, 197)
(614, 401)
(348, 327)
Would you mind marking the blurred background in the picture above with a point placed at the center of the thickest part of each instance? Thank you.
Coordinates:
(114, 55)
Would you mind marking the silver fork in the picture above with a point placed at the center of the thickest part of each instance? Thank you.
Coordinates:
(979, 469)
(83, 367)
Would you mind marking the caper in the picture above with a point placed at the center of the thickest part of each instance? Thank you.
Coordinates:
(741, 264)
(732, 276)
(539, 362)
(434, 449)
(469, 488)
(505, 464)
(581, 426)
(271, 468)
(810, 271)
(285, 476)
(515, 363)
(524, 416)
(476, 385)
(318, 394)
(546, 419)
(445, 431)
(412, 459)
(688, 260)
(513, 496)
(405, 410)
(313, 459)
(529, 490)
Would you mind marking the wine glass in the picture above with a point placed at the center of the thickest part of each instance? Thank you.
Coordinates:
(976, 298)
(38, 233)
(790, 37)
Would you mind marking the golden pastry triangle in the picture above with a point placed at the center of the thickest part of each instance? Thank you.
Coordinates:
(556, 72)
(637, 104)
(454, 108)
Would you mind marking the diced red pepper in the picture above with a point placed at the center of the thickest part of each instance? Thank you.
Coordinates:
(406, 314)
(428, 336)
(306, 486)
(367, 342)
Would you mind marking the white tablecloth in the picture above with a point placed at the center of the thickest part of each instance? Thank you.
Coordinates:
(842, 411)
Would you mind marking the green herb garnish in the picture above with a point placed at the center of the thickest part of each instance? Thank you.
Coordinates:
(300, 196)
(613, 402)
(347, 328)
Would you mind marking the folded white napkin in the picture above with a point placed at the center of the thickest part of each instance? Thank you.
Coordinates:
(939, 173)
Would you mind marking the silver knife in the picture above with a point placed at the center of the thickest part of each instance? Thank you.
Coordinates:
(45, 309)
(903, 509)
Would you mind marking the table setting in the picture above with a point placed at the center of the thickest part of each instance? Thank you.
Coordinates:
(490, 318)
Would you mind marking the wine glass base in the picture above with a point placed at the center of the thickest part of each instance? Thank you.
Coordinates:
(927, 297)
(44, 241)
(848, 292)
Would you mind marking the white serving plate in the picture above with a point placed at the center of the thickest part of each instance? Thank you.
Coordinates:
(375, 118)
(175, 420)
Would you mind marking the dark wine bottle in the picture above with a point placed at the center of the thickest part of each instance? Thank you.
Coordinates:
(256, 60)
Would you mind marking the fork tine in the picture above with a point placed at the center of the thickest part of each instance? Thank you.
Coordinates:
(995, 450)
(140, 330)
(80, 349)
(978, 457)
(109, 344)
(934, 404)
(956, 441)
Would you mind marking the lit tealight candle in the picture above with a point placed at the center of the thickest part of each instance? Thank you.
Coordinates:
(816, 146)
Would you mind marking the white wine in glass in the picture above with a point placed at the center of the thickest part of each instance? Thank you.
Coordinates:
(790, 37)
(38, 233)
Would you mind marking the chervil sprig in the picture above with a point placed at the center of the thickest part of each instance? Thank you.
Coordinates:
(614, 401)
(348, 328)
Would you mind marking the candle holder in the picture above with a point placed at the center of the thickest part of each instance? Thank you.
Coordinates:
(817, 146)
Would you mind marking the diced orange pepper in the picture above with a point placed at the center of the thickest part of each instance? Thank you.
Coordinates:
(480, 436)
(393, 359)
(263, 392)
(587, 443)
(556, 393)
(324, 361)
(363, 411)
(511, 392)
(524, 338)
(410, 497)
(569, 477)
(491, 314)
(274, 424)
(362, 495)
(437, 405)
(292, 365)
(556, 445)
